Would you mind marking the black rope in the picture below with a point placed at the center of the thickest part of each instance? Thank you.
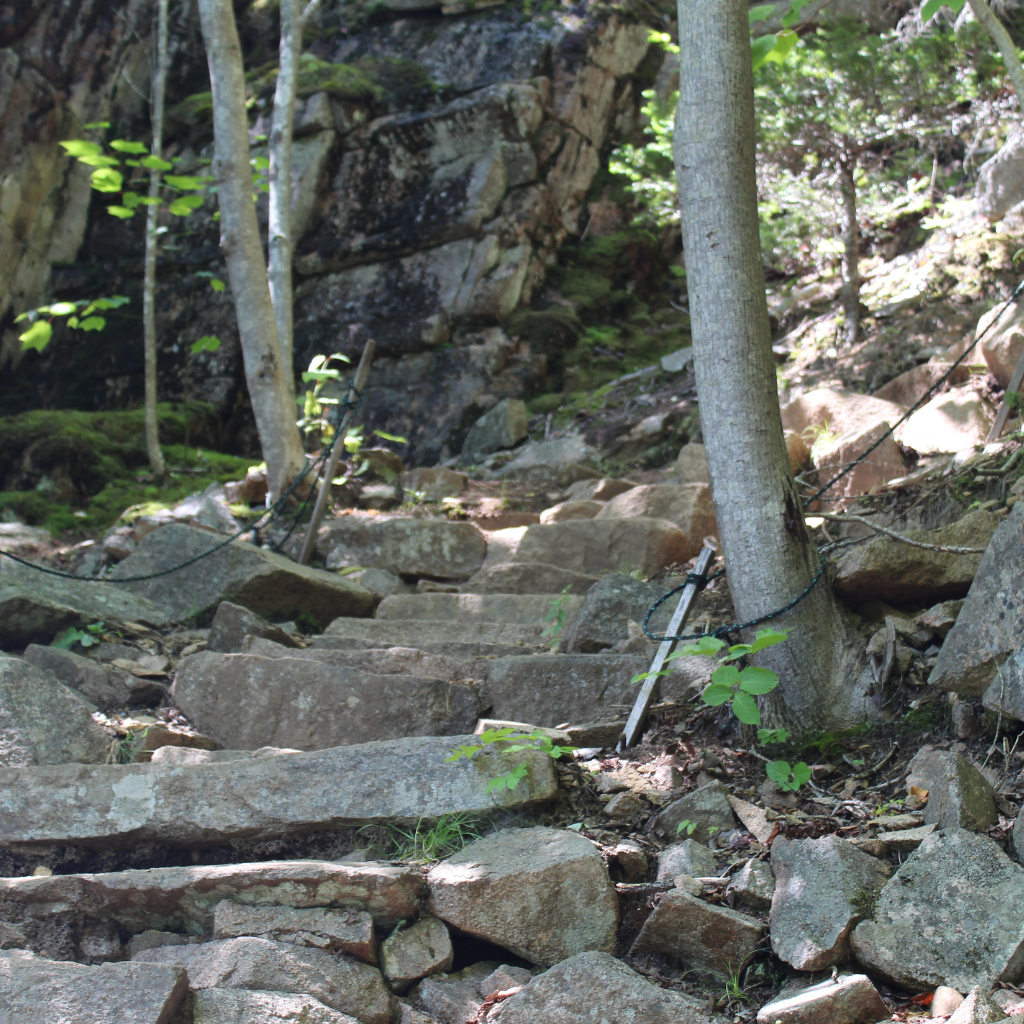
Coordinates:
(344, 409)
(702, 581)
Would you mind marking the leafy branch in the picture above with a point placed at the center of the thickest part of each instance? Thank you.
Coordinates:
(507, 740)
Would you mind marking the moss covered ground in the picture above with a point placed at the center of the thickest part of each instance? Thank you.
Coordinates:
(64, 469)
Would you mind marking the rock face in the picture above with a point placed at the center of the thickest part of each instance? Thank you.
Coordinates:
(597, 546)
(822, 887)
(406, 547)
(888, 570)
(948, 423)
(193, 805)
(35, 607)
(942, 918)
(699, 933)
(689, 506)
(595, 988)
(42, 722)
(270, 585)
(848, 999)
(108, 688)
(542, 893)
(989, 626)
(237, 1006)
(245, 701)
(252, 963)
(959, 796)
(35, 991)
(232, 624)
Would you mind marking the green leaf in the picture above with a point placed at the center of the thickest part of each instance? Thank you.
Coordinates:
(216, 284)
(150, 200)
(801, 774)
(61, 308)
(95, 125)
(124, 146)
(207, 343)
(772, 735)
(760, 48)
(706, 645)
(37, 336)
(715, 694)
(186, 181)
(114, 302)
(391, 437)
(73, 321)
(757, 680)
(496, 784)
(106, 179)
(745, 708)
(99, 161)
(261, 163)
(796, 6)
(154, 163)
(760, 13)
(309, 375)
(121, 211)
(130, 199)
(932, 7)
(736, 651)
(80, 147)
(93, 323)
(184, 205)
(768, 638)
(726, 675)
(778, 771)
(784, 43)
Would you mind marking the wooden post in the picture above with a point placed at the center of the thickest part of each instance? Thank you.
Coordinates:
(362, 372)
(649, 690)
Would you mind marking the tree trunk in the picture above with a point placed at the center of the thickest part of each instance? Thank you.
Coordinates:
(265, 375)
(769, 555)
(156, 457)
(281, 243)
(1001, 38)
(851, 249)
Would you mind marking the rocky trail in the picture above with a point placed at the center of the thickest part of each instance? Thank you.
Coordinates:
(226, 795)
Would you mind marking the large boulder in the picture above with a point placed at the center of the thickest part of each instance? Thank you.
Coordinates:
(571, 510)
(406, 547)
(245, 701)
(959, 796)
(1003, 341)
(557, 463)
(706, 809)
(254, 963)
(844, 999)
(423, 948)
(503, 426)
(269, 584)
(822, 888)
(196, 805)
(527, 578)
(883, 569)
(35, 607)
(948, 917)
(689, 506)
(838, 412)
(598, 546)
(990, 626)
(43, 722)
(542, 893)
(37, 991)
(610, 605)
(831, 457)
(948, 423)
(238, 1006)
(595, 988)
(109, 688)
(1001, 180)
(909, 388)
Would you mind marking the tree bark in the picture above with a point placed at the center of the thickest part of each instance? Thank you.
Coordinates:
(156, 457)
(281, 243)
(768, 553)
(265, 375)
(851, 248)
(1004, 43)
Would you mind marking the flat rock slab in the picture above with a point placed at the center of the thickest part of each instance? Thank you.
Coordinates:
(700, 933)
(35, 607)
(253, 963)
(237, 1006)
(416, 632)
(194, 805)
(595, 988)
(110, 689)
(542, 893)
(246, 701)
(37, 991)
(949, 916)
(447, 648)
(512, 609)
(264, 582)
(990, 625)
(822, 888)
(42, 722)
(185, 899)
(959, 796)
(527, 578)
(851, 999)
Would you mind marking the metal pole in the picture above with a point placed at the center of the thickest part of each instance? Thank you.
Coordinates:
(1004, 409)
(362, 372)
(649, 690)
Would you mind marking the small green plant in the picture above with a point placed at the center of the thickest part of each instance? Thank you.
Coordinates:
(507, 740)
(864, 901)
(687, 826)
(556, 617)
(67, 638)
(81, 315)
(786, 776)
(767, 736)
(449, 834)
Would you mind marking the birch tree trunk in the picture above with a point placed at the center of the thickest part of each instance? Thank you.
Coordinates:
(268, 382)
(851, 249)
(156, 457)
(768, 553)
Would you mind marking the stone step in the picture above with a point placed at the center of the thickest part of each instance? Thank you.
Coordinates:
(191, 806)
(452, 648)
(512, 609)
(416, 632)
(183, 899)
